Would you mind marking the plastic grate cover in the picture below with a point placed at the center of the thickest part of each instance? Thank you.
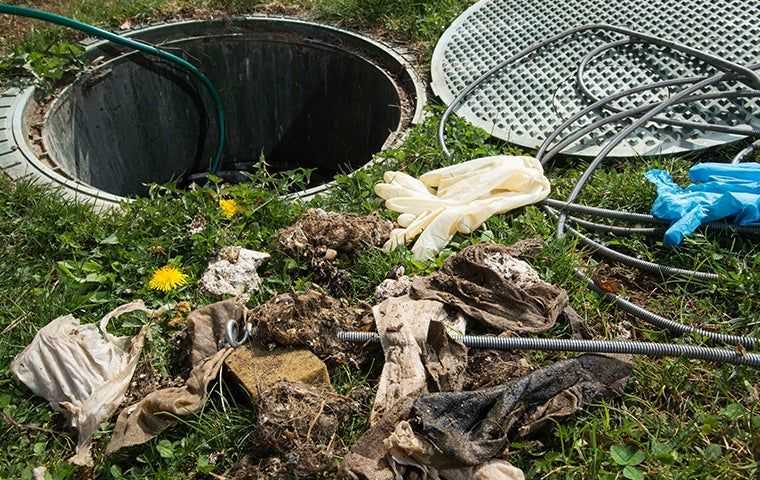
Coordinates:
(525, 102)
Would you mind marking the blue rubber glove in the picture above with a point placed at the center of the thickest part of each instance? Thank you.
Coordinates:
(725, 191)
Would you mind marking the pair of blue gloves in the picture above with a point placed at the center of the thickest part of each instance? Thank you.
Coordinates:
(719, 191)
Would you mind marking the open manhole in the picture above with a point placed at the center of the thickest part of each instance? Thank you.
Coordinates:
(297, 94)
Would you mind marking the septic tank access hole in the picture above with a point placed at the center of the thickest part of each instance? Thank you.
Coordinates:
(297, 93)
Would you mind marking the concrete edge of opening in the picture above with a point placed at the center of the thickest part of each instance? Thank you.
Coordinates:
(21, 156)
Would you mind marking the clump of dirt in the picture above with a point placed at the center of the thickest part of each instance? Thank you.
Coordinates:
(313, 320)
(489, 368)
(147, 380)
(301, 424)
(527, 247)
(319, 237)
(513, 270)
(342, 232)
(252, 468)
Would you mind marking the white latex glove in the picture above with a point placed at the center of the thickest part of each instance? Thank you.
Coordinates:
(467, 195)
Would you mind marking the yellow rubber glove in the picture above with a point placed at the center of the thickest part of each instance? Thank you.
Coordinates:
(458, 198)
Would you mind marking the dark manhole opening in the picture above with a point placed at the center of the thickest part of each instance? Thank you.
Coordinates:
(295, 93)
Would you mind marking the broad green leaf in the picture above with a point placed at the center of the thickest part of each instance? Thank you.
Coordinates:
(165, 449)
(112, 239)
(91, 266)
(632, 473)
(621, 454)
(732, 411)
(637, 458)
(663, 452)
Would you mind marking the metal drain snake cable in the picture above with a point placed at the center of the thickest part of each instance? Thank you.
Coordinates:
(581, 84)
(744, 155)
(647, 266)
(545, 154)
(649, 115)
(629, 216)
(644, 314)
(634, 217)
(651, 349)
(737, 71)
(622, 135)
(142, 47)
(608, 147)
(644, 265)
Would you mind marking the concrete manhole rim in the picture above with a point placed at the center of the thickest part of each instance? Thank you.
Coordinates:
(18, 158)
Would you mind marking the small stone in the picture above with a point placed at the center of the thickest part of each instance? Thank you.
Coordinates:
(396, 272)
(391, 287)
(233, 272)
(330, 254)
(39, 473)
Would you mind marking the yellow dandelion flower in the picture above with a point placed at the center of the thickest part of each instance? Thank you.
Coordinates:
(167, 278)
(229, 207)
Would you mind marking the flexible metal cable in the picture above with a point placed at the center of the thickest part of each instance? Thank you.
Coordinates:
(604, 212)
(666, 323)
(545, 154)
(651, 267)
(639, 217)
(581, 84)
(619, 137)
(744, 155)
(650, 112)
(142, 47)
(738, 70)
(651, 349)
(613, 229)
(602, 155)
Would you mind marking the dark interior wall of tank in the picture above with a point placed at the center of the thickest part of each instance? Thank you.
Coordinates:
(134, 121)
(126, 125)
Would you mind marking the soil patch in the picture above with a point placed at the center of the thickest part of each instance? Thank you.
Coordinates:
(312, 320)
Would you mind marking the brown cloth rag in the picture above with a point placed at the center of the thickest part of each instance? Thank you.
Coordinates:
(155, 413)
(486, 282)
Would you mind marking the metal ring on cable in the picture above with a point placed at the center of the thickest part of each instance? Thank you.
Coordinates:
(232, 333)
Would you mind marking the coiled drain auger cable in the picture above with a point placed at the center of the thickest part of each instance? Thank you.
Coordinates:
(588, 346)
(139, 46)
(558, 209)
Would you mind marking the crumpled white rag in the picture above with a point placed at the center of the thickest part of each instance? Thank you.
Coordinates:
(459, 198)
(82, 370)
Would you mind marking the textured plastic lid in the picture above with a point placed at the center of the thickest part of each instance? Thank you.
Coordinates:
(524, 103)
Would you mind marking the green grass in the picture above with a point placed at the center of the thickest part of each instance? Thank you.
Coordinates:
(677, 419)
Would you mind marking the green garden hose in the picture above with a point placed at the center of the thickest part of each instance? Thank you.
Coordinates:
(139, 46)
